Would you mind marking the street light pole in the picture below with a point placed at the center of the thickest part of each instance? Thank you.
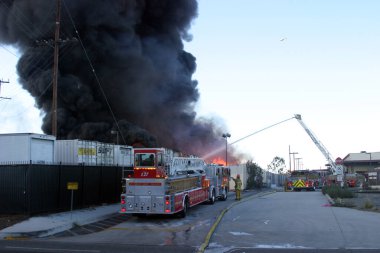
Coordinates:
(226, 135)
(117, 136)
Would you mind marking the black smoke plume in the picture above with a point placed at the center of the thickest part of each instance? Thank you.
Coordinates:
(136, 48)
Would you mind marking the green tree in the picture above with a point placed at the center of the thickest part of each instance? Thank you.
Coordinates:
(255, 176)
(277, 165)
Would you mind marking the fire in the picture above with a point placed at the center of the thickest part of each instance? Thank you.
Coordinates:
(219, 160)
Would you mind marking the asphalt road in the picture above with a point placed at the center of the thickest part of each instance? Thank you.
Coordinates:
(302, 221)
(278, 222)
(159, 229)
(73, 247)
(148, 234)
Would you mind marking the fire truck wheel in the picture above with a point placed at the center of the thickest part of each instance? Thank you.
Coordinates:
(224, 194)
(212, 199)
(183, 213)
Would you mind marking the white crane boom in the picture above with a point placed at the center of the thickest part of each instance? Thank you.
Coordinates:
(336, 169)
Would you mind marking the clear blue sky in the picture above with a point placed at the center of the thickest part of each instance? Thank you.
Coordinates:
(260, 62)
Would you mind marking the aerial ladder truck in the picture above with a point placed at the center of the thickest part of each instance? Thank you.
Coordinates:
(336, 169)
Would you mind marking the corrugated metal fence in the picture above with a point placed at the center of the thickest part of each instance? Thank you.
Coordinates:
(278, 179)
(271, 179)
(33, 188)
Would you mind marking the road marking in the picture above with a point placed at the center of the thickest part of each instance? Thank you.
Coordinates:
(15, 238)
(216, 223)
(234, 219)
(240, 233)
(266, 222)
(283, 246)
(51, 249)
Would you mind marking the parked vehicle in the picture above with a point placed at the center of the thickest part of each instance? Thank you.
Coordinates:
(303, 180)
(219, 177)
(163, 183)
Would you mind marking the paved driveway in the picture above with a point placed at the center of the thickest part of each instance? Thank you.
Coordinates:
(295, 220)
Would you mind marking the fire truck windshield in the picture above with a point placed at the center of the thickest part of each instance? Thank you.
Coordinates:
(144, 160)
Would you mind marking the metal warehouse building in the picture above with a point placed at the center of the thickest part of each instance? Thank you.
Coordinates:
(362, 162)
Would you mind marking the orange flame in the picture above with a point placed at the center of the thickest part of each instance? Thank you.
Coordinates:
(219, 161)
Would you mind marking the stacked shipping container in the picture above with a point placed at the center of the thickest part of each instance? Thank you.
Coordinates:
(76, 152)
(93, 153)
(21, 148)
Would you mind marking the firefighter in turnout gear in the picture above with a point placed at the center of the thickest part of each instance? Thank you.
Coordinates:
(238, 185)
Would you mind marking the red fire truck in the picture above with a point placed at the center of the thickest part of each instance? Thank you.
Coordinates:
(303, 180)
(219, 177)
(163, 183)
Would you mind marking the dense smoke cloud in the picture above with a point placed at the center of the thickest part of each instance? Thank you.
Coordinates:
(136, 48)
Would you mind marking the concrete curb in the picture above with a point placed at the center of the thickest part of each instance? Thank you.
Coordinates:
(331, 201)
(19, 233)
(34, 234)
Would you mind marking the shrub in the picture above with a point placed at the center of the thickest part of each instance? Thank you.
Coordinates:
(335, 191)
(368, 204)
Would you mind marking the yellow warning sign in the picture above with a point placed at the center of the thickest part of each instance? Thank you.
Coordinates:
(72, 185)
(299, 183)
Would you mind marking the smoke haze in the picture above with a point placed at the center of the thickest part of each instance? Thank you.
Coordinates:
(136, 48)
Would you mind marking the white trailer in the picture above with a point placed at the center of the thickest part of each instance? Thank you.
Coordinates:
(104, 153)
(240, 169)
(76, 152)
(123, 155)
(93, 153)
(21, 148)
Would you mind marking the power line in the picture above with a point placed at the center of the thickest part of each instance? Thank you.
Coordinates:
(9, 51)
(39, 62)
(94, 72)
(1, 82)
(55, 70)
(28, 27)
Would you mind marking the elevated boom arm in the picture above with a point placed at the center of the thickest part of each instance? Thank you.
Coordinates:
(319, 144)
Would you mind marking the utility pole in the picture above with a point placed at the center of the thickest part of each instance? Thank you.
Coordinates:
(1, 82)
(298, 163)
(294, 160)
(290, 160)
(55, 69)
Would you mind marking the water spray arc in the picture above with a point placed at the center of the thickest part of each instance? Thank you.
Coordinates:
(211, 154)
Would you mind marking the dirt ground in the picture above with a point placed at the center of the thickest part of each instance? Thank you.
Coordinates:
(362, 201)
(9, 220)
